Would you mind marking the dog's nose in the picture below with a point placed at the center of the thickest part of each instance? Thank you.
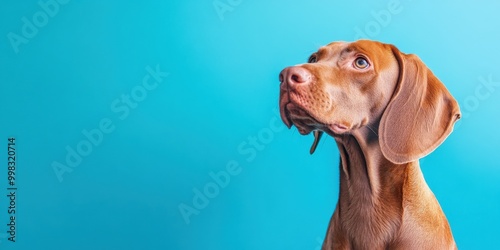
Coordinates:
(295, 75)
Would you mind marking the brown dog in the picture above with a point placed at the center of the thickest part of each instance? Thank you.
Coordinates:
(386, 110)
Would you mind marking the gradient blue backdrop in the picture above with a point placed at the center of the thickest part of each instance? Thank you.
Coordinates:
(217, 106)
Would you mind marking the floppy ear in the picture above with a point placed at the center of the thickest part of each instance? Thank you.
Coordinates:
(420, 114)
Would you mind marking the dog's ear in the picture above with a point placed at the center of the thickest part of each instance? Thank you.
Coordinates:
(420, 114)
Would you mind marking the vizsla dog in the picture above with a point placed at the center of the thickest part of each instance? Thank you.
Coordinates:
(385, 110)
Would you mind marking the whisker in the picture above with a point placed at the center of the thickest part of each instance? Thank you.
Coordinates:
(372, 130)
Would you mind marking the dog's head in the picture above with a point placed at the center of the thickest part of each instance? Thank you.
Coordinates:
(366, 84)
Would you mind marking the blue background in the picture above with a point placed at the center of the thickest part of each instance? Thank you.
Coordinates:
(218, 106)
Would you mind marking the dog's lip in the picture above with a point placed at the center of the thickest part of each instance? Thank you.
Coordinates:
(296, 115)
(285, 116)
(306, 123)
(292, 113)
(338, 128)
(285, 113)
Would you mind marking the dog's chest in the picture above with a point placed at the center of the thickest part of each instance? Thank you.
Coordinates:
(369, 225)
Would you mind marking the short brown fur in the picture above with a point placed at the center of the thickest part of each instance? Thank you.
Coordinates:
(384, 118)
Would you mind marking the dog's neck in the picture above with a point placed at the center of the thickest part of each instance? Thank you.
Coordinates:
(371, 187)
(365, 168)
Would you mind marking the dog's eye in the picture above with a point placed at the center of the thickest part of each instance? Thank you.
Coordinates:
(312, 59)
(361, 63)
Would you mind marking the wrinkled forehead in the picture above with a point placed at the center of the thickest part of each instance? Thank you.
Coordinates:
(375, 51)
